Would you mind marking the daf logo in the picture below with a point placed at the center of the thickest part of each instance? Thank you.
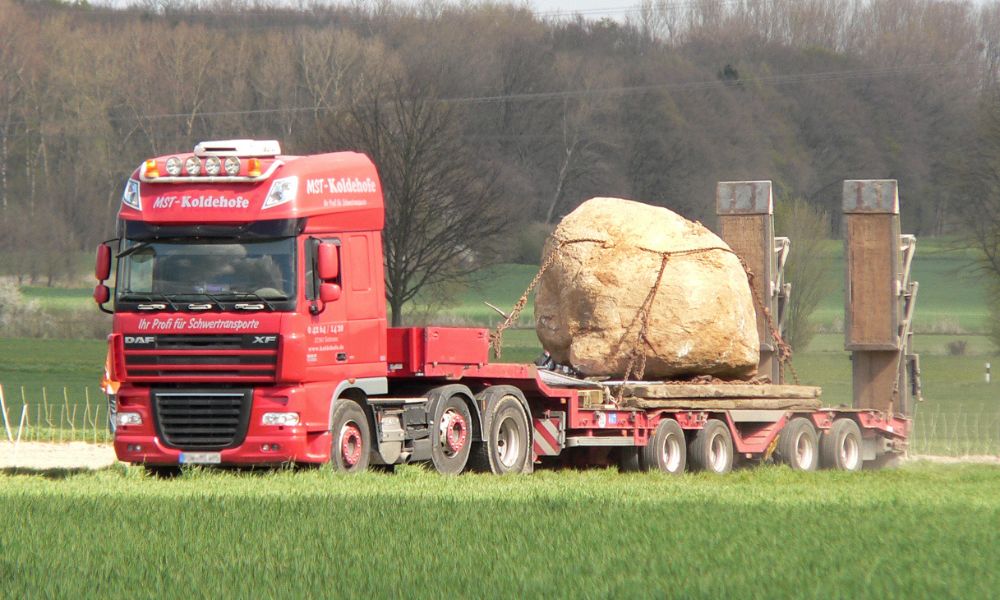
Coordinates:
(148, 339)
(264, 339)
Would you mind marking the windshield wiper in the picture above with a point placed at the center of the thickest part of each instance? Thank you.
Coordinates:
(151, 298)
(209, 296)
(134, 249)
(261, 299)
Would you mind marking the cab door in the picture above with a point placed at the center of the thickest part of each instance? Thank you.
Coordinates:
(347, 335)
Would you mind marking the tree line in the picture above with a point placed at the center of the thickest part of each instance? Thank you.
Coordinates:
(487, 119)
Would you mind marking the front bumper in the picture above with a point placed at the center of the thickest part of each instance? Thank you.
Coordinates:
(295, 444)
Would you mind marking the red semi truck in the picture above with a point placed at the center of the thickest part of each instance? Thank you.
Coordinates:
(250, 329)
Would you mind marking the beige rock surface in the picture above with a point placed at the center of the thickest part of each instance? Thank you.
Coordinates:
(702, 319)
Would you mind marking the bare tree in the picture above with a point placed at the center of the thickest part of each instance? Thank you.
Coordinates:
(808, 267)
(443, 215)
(977, 175)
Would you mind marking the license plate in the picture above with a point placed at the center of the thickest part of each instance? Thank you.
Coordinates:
(200, 458)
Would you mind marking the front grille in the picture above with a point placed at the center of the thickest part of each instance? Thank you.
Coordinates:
(202, 420)
(201, 358)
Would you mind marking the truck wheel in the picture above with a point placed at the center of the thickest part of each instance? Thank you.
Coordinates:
(798, 446)
(452, 436)
(162, 471)
(712, 448)
(352, 443)
(506, 448)
(666, 450)
(628, 459)
(840, 446)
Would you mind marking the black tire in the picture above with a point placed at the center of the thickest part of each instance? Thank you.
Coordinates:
(350, 449)
(628, 459)
(798, 445)
(840, 446)
(507, 444)
(451, 436)
(712, 448)
(162, 471)
(666, 450)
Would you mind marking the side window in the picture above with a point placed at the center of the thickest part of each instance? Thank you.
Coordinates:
(311, 279)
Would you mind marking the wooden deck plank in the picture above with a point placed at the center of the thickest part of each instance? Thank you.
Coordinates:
(669, 391)
(725, 403)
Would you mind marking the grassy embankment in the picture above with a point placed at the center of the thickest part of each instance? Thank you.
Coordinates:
(920, 531)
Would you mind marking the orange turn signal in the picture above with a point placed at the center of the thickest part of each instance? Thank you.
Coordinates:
(151, 170)
(253, 167)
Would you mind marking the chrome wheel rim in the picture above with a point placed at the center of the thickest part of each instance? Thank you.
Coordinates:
(670, 454)
(508, 443)
(718, 454)
(849, 452)
(804, 452)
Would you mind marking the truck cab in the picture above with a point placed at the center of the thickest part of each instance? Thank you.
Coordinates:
(248, 293)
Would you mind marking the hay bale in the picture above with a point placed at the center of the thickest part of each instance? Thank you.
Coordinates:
(587, 307)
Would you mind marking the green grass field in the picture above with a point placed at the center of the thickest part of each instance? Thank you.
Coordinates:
(920, 532)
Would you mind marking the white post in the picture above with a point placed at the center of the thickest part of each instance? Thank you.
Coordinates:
(987, 372)
(6, 423)
(20, 427)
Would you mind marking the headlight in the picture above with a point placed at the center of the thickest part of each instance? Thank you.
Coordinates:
(174, 166)
(213, 166)
(131, 196)
(232, 166)
(193, 166)
(282, 190)
(280, 418)
(128, 418)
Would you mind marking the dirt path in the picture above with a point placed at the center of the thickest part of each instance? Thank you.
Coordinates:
(976, 459)
(44, 456)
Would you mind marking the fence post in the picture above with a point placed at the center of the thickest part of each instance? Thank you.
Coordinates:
(6, 423)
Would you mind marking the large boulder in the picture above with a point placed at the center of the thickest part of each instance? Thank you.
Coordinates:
(609, 255)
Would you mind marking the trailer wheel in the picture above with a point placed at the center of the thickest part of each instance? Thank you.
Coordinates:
(451, 439)
(351, 447)
(712, 448)
(666, 450)
(505, 448)
(628, 459)
(840, 446)
(798, 446)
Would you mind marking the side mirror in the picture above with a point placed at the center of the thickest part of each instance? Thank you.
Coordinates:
(102, 269)
(329, 292)
(101, 294)
(328, 261)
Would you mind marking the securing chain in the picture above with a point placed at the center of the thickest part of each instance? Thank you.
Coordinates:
(782, 349)
(496, 337)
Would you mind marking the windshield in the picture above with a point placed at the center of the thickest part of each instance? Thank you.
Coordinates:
(219, 270)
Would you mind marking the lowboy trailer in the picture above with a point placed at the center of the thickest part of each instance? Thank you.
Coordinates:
(250, 329)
